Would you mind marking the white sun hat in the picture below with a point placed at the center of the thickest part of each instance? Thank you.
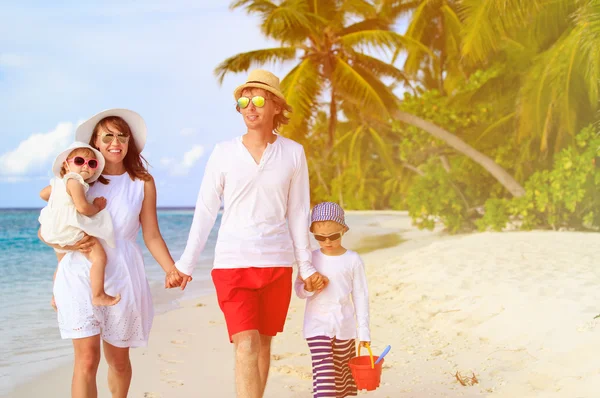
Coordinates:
(133, 119)
(62, 157)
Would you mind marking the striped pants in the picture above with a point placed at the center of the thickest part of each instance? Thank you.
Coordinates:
(331, 373)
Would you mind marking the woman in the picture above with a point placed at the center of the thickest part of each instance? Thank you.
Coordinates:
(120, 135)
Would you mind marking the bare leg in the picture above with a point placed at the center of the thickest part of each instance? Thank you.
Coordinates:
(247, 375)
(87, 358)
(98, 258)
(59, 257)
(264, 361)
(119, 370)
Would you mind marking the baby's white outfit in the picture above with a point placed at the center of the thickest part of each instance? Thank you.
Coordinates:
(63, 225)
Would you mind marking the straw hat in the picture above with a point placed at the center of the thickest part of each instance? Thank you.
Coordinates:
(62, 157)
(134, 120)
(260, 78)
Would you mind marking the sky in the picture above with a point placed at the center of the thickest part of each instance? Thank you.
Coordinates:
(60, 65)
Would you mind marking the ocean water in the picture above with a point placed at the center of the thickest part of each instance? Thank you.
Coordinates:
(29, 339)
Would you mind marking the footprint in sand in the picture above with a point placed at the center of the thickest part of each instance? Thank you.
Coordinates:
(168, 360)
(184, 332)
(300, 371)
(151, 395)
(279, 357)
(166, 372)
(174, 383)
(179, 343)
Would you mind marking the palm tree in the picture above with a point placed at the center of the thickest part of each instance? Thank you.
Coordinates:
(333, 62)
(331, 54)
(548, 51)
(437, 25)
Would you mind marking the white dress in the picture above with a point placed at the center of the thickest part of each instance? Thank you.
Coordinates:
(63, 225)
(128, 323)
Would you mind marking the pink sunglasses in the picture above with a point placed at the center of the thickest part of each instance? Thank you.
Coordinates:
(79, 161)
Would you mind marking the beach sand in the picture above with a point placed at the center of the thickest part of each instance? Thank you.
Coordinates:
(514, 309)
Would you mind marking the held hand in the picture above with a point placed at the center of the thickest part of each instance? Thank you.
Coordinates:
(315, 282)
(172, 279)
(175, 278)
(53, 304)
(100, 202)
(365, 344)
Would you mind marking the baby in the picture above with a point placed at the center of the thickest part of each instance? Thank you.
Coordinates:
(68, 217)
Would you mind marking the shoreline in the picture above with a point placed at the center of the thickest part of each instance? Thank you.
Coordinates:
(513, 309)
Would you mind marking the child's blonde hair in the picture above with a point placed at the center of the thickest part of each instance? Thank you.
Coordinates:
(325, 224)
(86, 152)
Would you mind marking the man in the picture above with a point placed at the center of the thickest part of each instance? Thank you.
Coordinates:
(262, 178)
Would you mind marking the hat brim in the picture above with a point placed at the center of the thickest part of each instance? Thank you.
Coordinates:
(133, 119)
(237, 93)
(62, 157)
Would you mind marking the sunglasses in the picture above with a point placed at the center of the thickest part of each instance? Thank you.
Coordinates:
(331, 237)
(79, 161)
(257, 100)
(107, 138)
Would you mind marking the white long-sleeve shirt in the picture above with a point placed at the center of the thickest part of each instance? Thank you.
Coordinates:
(266, 208)
(330, 312)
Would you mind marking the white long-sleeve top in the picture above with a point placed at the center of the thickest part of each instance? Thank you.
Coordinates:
(331, 312)
(266, 208)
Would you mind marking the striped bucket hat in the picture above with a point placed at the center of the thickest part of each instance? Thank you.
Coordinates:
(328, 211)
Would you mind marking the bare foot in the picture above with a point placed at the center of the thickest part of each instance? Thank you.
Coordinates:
(104, 300)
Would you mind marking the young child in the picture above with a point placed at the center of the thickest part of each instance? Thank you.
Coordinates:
(331, 319)
(68, 215)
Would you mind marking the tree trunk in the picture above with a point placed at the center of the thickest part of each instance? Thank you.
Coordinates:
(332, 118)
(484, 161)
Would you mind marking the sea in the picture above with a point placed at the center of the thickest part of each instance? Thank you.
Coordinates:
(29, 339)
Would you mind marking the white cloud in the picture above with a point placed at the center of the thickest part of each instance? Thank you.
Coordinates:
(190, 158)
(34, 155)
(12, 60)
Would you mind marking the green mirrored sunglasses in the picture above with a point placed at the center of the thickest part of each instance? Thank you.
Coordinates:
(257, 100)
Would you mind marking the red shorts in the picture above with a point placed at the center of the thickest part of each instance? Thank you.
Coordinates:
(254, 298)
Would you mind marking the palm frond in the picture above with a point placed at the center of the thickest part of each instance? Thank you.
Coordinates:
(380, 39)
(252, 5)
(483, 30)
(301, 88)
(384, 91)
(244, 61)
(416, 31)
(393, 9)
(492, 127)
(384, 150)
(354, 87)
(290, 23)
(353, 156)
(378, 67)
(358, 8)
(549, 23)
(588, 24)
(366, 24)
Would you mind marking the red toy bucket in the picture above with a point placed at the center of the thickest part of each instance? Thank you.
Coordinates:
(366, 374)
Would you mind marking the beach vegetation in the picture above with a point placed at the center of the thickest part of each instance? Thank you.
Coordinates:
(478, 114)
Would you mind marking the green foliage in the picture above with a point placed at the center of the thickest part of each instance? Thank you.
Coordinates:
(566, 196)
(434, 197)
